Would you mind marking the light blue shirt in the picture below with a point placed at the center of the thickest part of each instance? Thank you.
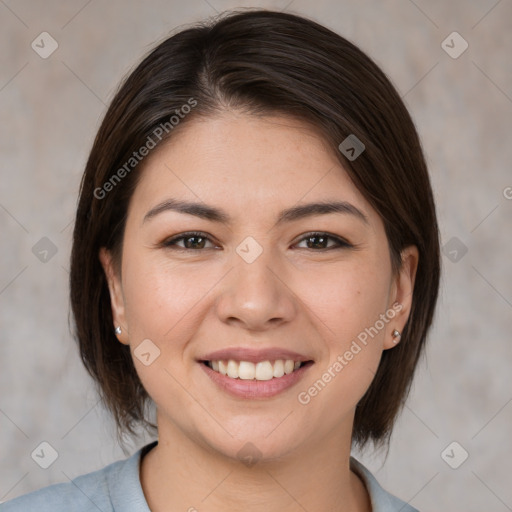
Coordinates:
(117, 488)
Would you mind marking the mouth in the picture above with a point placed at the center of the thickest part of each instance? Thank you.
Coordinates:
(252, 380)
(259, 371)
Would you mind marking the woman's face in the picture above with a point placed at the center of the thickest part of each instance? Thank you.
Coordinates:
(255, 279)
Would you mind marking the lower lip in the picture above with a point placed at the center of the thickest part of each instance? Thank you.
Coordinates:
(254, 389)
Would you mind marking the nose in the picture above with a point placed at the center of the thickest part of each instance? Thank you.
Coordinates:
(256, 295)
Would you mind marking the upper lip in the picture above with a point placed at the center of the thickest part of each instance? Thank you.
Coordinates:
(253, 355)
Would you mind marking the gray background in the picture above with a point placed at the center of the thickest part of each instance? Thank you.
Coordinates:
(50, 111)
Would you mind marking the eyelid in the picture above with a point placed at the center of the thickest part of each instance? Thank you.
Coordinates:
(341, 242)
(171, 241)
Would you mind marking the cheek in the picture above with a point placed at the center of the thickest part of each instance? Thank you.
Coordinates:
(166, 301)
(347, 298)
(163, 304)
(159, 299)
(349, 304)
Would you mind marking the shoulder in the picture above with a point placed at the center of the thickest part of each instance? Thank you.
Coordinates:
(381, 500)
(104, 489)
(85, 492)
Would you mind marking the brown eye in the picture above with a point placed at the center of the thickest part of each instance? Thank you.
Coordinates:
(191, 241)
(316, 241)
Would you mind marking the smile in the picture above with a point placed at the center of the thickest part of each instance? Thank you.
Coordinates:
(262, 370)
(259, 380)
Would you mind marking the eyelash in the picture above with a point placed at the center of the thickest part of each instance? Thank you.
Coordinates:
(171, 242)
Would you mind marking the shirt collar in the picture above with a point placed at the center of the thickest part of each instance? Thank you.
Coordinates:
(126, 492)
(380, 499)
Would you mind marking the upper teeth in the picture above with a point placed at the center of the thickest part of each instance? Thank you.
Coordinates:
(264, 370)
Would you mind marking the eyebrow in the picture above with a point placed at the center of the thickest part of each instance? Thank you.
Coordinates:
(288, 215)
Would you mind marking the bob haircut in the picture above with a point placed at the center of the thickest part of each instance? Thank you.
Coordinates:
(261, 63)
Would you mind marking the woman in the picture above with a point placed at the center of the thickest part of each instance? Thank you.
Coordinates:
(255, 251)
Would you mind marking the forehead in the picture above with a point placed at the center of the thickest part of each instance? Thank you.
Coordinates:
(245, 163)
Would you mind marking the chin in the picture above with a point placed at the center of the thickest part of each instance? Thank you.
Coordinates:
(250, 440)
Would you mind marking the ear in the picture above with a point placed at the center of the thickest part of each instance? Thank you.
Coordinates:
(401, 294)
(116, 294)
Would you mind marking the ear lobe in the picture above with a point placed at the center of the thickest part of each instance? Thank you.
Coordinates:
(403, 289)
(116, 294)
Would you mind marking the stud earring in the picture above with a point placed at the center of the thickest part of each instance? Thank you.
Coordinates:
(117, 330)
(396, 334)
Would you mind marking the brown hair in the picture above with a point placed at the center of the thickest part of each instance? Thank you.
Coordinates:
(259, 62)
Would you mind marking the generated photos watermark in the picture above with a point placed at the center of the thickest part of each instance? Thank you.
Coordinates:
(151, 142)
(357, 345)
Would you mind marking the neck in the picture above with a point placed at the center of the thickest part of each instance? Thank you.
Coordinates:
(180, 473)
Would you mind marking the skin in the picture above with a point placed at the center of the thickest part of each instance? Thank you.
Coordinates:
(297, 296)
